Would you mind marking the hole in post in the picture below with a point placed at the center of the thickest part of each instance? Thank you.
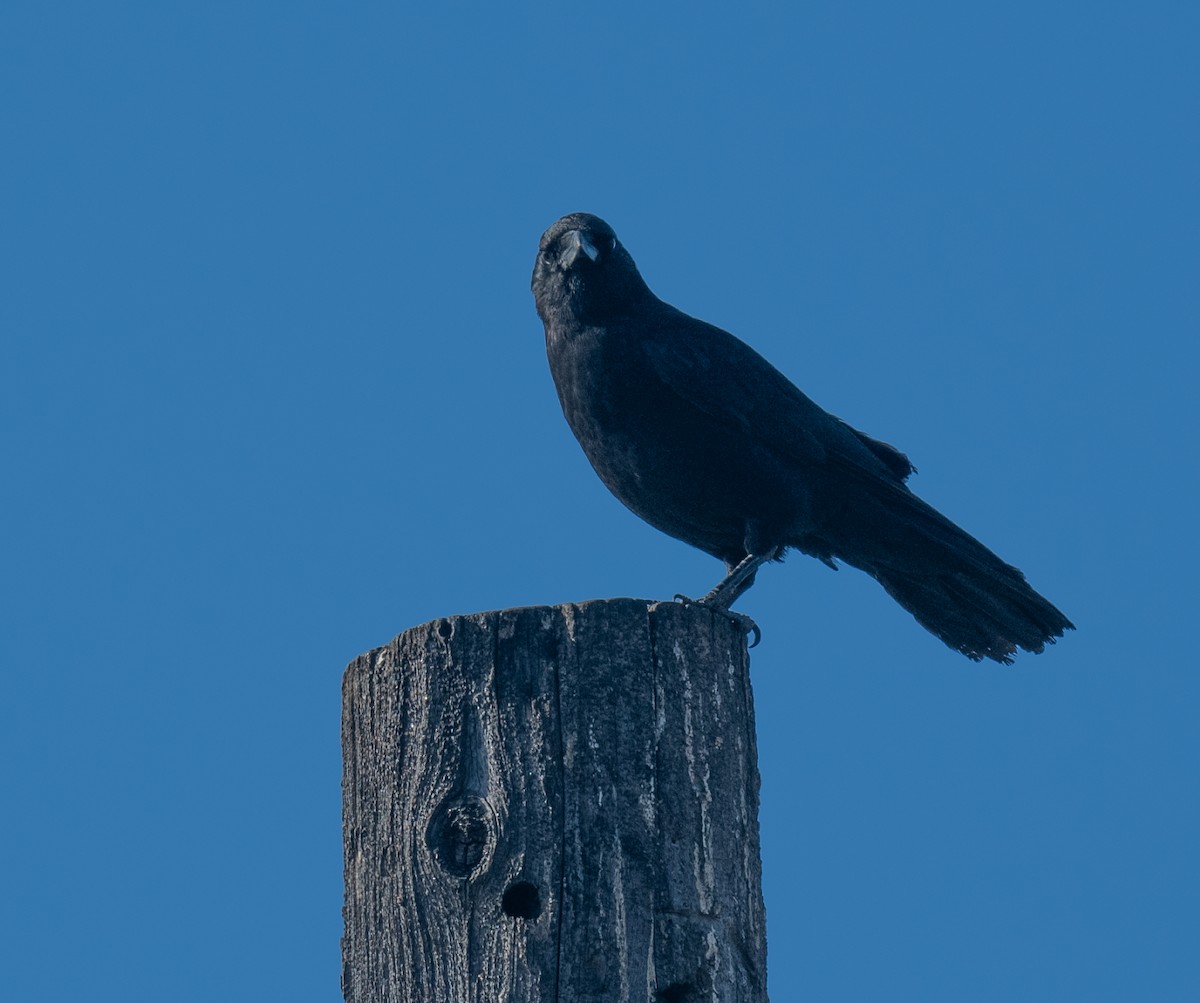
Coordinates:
(445, 629)
(521, 901)
(677, 992)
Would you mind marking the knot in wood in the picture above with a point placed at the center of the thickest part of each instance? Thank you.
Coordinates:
(461, 835)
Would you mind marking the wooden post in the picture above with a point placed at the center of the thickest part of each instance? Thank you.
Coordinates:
(553, 804)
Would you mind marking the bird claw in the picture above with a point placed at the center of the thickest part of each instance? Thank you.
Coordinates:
(746, 623)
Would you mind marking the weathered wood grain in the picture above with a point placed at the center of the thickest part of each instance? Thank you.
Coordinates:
(553, 804)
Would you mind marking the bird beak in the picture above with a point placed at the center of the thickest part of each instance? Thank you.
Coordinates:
(576, 242)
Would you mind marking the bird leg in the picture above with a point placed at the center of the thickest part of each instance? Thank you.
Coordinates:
(735, 583)
(732, 586)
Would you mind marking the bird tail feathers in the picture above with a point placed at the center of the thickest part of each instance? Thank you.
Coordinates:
(958, 589)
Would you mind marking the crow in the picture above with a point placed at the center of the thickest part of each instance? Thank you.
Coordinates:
(703, 438)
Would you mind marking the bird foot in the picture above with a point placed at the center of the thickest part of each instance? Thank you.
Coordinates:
(746, 623)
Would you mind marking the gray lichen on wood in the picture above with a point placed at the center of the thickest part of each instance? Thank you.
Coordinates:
(553, 804)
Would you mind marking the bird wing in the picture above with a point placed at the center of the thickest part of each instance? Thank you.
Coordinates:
(729, 381)
(726, 379)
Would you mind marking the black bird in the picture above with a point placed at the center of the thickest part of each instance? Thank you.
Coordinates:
(704, 439)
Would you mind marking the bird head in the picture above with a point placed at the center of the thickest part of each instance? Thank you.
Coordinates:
(583, 274)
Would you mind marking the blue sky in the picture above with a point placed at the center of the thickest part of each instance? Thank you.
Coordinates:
(272, 390)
